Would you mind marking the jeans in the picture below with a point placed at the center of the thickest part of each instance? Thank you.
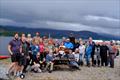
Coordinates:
(73, 63)
(112, 56)
(49, 64)
(81, 57)
(88, 59)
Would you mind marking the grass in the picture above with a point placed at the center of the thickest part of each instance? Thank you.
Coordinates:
(5, 61)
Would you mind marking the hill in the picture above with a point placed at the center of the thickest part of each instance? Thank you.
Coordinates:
(9, 30)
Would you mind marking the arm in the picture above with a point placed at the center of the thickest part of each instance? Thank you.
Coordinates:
(9, 49)
(83, 53)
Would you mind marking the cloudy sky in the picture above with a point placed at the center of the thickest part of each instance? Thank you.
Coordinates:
(93, 15)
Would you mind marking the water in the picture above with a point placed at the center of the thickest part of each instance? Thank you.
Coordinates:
(4, 41)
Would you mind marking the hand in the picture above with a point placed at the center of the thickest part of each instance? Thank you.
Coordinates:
(28, 57)
(22, 54)
(11, 53)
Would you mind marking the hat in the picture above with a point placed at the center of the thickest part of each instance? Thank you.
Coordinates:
(29, 35)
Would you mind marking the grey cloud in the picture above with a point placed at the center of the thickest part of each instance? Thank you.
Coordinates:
(34, 13)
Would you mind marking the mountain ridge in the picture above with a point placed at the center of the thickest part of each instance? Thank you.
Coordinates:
(58, 33)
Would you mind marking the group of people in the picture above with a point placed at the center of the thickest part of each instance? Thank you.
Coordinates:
(37, 54)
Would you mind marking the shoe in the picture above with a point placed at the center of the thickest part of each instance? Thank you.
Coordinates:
(50, 71)
(22, 76)
(8, 75)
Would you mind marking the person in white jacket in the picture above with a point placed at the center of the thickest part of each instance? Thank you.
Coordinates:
(81, 52)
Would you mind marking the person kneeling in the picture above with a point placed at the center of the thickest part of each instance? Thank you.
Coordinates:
(36, 64)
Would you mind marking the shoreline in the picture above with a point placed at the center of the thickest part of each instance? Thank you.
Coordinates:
(86, 73)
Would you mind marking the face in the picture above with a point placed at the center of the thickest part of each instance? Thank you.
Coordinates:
(23, 35)
(77, 51)
(70, 51)
(81, 43)
(37, 34)
(38, 55)
(16, 36)
(96, 43)
(104, 43)
(90, 39)
(68, 40)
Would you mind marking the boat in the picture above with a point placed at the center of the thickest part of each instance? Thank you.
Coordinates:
(4, 57)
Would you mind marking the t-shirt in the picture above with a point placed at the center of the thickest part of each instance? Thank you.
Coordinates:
(41, 47)
(15, 45)
(82, 49)
(76, 56)
(25, 48)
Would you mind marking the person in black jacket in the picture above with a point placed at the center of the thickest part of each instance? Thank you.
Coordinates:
(36, 63)
(104, 54)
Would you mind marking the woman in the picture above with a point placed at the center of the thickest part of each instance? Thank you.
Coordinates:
(81, 52)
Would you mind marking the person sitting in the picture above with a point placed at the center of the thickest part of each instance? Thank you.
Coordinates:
(49, 61)
(72, 63)
(61, 52)
(76, 54)
(36, 64)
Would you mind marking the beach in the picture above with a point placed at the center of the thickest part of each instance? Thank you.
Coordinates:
(86, 73)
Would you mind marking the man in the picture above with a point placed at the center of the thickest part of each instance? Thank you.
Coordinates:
(93, 49)
(36, 39)
(72, 40)
(14, 49)
(112, 53)
(25, 57)
(88, 52)
(68, 44)
(104, 54)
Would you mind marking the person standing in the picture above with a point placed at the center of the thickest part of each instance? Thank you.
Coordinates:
(112, 53)
(93, 49)
(88, 52)
(81, 52)
(36, 39)
(14, 48)
(68, 44)
(72, 40)
(104, 54)
(97, 57)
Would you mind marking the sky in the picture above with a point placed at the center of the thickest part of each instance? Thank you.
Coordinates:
(101, 16)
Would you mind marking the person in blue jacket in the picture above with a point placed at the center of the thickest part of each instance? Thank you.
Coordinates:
(35, 49)
(68, 44)
(88, 52)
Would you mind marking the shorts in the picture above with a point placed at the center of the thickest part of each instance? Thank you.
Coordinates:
(15, 57)
(22, 60)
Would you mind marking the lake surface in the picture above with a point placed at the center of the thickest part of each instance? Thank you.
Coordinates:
(4, 41)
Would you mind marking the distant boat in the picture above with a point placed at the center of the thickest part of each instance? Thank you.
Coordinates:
(4, 57)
